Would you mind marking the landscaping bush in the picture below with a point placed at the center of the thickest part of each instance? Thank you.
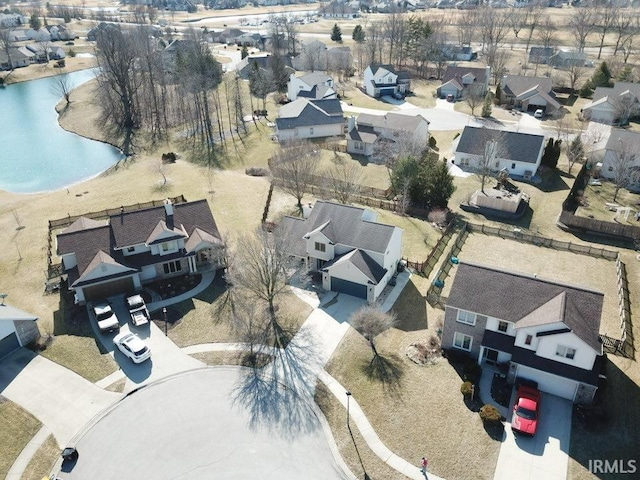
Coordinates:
(490, 414)
(471, 371)
(432, 143)
(257, 171)
(466, 389)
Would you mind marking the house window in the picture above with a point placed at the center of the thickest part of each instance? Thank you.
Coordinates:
(466, 317)
(464, 162)
(166, 246)
(513, 166)
(497, 164)
(611, 169)
(131, 249)
(320, 247)
(358, 145)
(310, 130)
(566, 352)
(528, 340)
(462, 341)
(172, 267)
(502, 326)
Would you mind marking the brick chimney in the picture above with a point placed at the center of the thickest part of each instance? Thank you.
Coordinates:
(168, 209)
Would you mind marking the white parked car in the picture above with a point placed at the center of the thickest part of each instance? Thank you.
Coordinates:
(131, 345)
(107, 320)
(539, 113)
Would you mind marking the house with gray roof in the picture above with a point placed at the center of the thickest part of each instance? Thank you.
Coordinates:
(17, 57)
(529, 93)
(365, 131)
(305, 118)
(381, 80)
(459, 81)
(544, 331)
(519, 154)
(102, 258)
(567, 59)
(263, 62)
(17, 328)
(613, 105)
(355, 254)
(621, 152)
(314, 86)
(540, 55)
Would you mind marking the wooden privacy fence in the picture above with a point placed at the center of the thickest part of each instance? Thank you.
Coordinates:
(599, 227)
(539, 240)
(618, 346)
(56, 269)
(435, 289)
(434, 255)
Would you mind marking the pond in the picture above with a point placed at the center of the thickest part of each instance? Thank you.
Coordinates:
(37, 154)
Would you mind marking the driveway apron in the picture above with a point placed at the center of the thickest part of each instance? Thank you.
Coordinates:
(61, 399)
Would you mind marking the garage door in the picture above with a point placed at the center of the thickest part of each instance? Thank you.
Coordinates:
(350, 288)
(387, 91)
(8, 344)
(550, 383)
(104, 290)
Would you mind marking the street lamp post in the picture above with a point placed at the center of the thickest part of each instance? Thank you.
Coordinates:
(348, 393)
(164, 313)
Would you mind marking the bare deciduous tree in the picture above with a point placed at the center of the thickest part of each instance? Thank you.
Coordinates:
(259, 267)
(494, 27)
(581, 25)
(622, 161)
(371, 322)
(62, 87)
(575, 73)
(473, 97)
(294, 165)
(314, 56)
(547, 31)
(6, 44)
(467, 26)
(485, 167)
(606, 17)
(344, 179)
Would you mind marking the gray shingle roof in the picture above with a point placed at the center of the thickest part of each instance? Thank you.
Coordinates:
(377, 66)
(363, 262)
(619, 139)
(457, 73)
(347, 227)
(517, 146)
(131, 228)
(513, 296)
(517, 84)
(308, 113)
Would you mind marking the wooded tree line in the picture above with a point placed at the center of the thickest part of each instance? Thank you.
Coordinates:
(422, 43)
(143, 86)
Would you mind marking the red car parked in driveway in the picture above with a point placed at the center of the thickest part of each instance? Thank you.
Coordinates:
(526, 410)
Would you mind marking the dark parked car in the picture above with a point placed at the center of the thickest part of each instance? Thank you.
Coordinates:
(70, 454)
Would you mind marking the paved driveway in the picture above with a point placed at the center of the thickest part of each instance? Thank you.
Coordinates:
(544, 456)
(61, 399)
(201, 425)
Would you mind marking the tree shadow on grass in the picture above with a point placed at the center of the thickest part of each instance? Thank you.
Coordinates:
(411, 310)
(386, 370)
(553, 181)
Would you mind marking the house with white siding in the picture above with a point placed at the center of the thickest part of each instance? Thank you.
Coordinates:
(355, 254)
(313, 85)
(381, 80)
(541, 330)
(365, 131)
(17, 328)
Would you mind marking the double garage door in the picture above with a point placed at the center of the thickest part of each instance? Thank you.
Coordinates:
(9, 344)
(105, 290)
(549, 383)
(350, 288)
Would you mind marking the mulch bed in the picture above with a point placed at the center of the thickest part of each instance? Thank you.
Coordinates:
(501, 390)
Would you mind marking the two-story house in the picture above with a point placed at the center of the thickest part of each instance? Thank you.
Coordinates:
(102, 258)
(314, 85)
(304, 118)
(458, 81)
(519, 154)
(613, 105)
(380, 80)
(356, 254)
(545, 331)
(364, 132)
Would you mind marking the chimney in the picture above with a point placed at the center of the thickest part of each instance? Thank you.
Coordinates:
(168, 209)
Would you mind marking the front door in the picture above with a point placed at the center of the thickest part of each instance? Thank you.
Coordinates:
(490, 356)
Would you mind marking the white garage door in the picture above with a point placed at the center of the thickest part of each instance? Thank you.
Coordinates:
(549, 383)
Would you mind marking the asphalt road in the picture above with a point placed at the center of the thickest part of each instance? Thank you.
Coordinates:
(206, 424)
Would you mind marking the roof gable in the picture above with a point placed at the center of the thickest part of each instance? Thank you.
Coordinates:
(515, 146)
(514, 297)
(7, 312)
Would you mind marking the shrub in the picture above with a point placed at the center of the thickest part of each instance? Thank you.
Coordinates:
(432, 142)
(490, 414)
(466, 389)
(257, 171)
(71, 53)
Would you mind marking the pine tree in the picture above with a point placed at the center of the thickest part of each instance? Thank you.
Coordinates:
(358, 34)
(336, 33)
(602, 76)
(547, 155)
(244, 53)
(498, 93)
(486, 107)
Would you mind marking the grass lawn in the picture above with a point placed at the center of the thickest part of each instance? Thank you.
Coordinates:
(416, 410)
(352, 95)
(423, 93)
(43, 460)
(598, 196)
(17, 427)
(206, 318)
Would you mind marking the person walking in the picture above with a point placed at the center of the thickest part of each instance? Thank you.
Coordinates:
(424, 464)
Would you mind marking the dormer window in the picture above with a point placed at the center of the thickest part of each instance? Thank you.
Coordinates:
(131, 249)
(320, 247)
(502, 326)
(566, 352)
(165, 246)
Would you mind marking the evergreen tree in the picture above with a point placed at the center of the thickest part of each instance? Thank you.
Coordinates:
(433, 186)
(244, 53)
(279, 72)
(626, 75)
(602, 76)
(358, 34)
(498, 93)
(547, 155)
(486, 107)
(34, 22)
(336, 33)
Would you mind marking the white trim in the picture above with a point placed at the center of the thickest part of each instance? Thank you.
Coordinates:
(466, 322)
(464, 337)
